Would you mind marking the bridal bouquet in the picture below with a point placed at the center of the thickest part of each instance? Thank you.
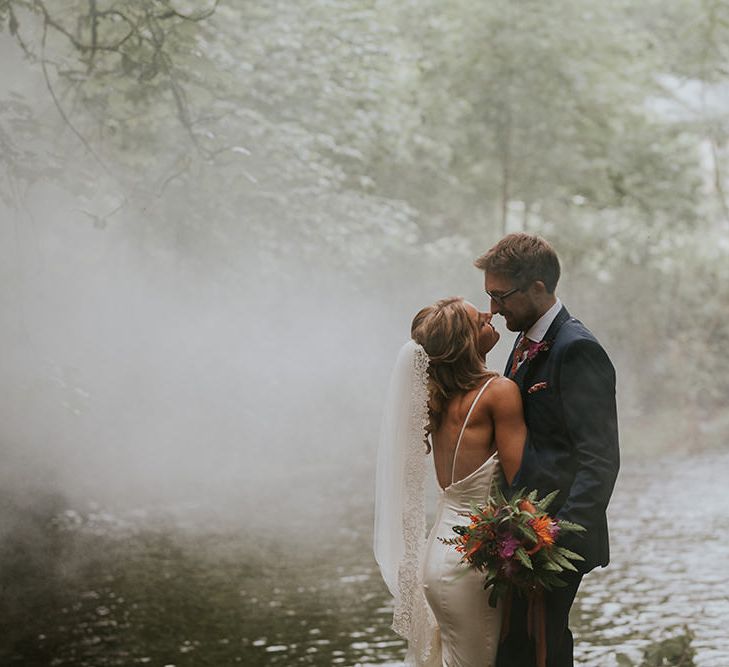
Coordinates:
(515, 543)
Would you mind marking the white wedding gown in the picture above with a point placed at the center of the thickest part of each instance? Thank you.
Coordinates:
(469, 627)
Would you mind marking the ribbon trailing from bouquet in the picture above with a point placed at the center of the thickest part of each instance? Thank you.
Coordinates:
(506, 614)
(537, 624)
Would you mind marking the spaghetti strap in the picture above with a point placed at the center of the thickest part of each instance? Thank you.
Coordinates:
(465, 421)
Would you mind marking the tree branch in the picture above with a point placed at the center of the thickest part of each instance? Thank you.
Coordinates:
(56, 102)
(13, 26)
(201, 16)
(49, 20)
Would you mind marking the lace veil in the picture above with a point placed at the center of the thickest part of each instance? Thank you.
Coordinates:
(399, 541)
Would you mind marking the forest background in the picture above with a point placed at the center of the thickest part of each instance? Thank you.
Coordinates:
(218, 218)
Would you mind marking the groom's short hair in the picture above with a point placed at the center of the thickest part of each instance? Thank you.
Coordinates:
(524, 258)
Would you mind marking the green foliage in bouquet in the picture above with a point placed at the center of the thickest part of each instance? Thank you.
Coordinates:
(515, 543)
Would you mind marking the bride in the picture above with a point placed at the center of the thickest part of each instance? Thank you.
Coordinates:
(441, 390)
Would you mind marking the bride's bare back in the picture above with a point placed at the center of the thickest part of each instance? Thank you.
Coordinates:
(496, 422)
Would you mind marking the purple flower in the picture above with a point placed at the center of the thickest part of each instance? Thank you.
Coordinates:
(507, 546)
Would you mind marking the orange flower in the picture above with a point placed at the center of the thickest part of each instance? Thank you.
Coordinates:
(474, 548)
(526, 506)
(543, 528)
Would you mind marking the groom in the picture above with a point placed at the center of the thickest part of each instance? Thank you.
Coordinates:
(567, 386)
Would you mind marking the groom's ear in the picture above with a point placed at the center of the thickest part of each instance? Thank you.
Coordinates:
(539, 287)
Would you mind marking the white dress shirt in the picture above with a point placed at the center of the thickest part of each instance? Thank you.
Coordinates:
(538, 330)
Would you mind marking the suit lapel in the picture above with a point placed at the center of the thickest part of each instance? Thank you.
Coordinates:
(562, 317)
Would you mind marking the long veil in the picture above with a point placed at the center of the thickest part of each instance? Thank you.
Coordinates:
(399, 539)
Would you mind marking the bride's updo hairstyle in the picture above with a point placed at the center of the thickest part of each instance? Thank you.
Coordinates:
(449, 337)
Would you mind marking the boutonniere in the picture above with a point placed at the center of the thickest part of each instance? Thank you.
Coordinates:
(535, 348)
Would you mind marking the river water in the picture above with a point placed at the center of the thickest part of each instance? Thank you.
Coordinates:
(177, 588)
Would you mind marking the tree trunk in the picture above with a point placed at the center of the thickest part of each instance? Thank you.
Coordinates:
(505, 173)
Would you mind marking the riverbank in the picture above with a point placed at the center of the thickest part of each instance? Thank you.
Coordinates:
(178, 586)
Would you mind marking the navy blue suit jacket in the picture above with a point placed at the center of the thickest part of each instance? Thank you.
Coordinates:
(568, 391)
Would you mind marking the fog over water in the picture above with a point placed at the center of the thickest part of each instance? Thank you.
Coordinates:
(213, 237)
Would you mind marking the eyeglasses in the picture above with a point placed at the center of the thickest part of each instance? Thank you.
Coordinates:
(500, 298)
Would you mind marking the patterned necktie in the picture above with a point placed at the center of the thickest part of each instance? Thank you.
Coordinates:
(519, 350)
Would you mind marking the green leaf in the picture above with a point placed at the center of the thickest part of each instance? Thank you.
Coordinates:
(547, 500)
(499, 498)
(623, 660)
(570, 527)
(528, 531)
(564, 562)
(516, 497)
(564, 551)
(523, 557)
(551, 566)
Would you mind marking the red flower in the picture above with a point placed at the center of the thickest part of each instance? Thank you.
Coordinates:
(535, 348)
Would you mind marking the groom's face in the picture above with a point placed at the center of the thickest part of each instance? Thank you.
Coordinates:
(519, 308)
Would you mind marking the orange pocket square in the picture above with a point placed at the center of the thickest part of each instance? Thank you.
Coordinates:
(537, 387)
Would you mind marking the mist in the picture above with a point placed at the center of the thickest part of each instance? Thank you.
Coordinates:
(216, 224)
(132, 379)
